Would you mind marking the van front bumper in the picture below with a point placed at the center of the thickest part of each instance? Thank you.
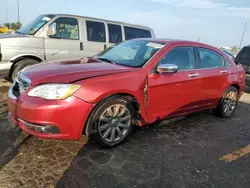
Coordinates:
(5, 68)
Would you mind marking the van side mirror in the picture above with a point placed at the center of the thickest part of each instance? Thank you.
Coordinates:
(51, 30)
(167, 68)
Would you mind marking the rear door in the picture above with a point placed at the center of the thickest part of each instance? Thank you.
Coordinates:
(95, 39)
(214, 72)
(66, 43)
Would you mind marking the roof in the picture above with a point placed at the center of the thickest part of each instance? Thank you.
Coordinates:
(167, 40)
(95, 18)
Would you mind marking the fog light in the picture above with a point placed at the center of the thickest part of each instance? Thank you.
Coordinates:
(50, 129)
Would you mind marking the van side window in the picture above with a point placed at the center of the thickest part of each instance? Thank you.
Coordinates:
(96, 31)
(115, 33)
(131, 33)
(66, 28)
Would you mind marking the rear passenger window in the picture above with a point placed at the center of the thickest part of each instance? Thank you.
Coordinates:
(209, 59)
(227, 63)
(131, 33)
(96, 31)
(115, 33)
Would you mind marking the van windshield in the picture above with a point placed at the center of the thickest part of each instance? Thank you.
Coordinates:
(134, 53)
(32, 27)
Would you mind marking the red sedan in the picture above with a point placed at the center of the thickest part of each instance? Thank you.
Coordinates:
(137, 82)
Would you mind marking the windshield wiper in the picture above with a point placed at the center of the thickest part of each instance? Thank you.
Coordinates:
(106, 60)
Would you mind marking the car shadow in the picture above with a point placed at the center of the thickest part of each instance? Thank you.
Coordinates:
(8, 133)
(155, 155)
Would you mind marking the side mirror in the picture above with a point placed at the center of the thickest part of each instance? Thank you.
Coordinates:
(167, 68)
(51, 30)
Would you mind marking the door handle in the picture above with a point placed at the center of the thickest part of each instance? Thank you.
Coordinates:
(105, 46)
(224, 71)
(81, 46)
(193, 75)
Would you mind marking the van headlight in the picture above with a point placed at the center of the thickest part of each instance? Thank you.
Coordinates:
(54, 91)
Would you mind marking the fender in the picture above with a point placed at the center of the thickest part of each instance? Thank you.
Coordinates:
(21, 56)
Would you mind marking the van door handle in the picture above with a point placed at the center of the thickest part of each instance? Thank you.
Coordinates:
(81, 46)
(193, 75)
(224, 71)
(105, 46)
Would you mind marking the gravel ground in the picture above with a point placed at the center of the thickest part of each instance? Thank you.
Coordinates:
(183, 153)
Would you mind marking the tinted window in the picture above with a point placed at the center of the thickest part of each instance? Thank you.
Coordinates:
(115, 33)
(183, 57)
(244, 54)
(66, 28)
(131, 33)
(96, 31)
(209, 59)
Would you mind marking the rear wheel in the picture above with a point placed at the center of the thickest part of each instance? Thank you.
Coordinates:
(21, 65)
(228, 103)
(112, 121)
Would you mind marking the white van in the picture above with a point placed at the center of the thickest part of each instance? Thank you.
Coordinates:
(52, 37)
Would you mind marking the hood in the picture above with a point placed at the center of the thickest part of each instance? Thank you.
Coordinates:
(12, 35)
(70, 71)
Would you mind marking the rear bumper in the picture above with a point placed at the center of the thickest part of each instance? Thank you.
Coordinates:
(5, 68)
(62, 119)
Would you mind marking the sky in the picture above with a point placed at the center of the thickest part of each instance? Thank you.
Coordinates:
(215, 22)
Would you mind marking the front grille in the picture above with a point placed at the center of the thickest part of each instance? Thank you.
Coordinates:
(20, 85)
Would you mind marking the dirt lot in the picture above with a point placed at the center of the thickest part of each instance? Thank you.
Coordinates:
(191, 152)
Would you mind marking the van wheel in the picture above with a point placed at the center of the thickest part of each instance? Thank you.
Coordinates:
(20, 65)
(112, 121)
(228, 103)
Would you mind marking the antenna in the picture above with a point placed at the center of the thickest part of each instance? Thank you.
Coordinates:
(243, 34)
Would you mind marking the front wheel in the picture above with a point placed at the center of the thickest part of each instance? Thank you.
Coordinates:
(112, 121)
(21, 65)
(227, 103)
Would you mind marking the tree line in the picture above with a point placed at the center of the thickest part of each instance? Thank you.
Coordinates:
(12, 26)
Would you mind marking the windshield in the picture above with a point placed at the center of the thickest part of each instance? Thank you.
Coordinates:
(134, 53)
(32, 27)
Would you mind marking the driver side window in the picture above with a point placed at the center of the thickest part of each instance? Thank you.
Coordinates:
(66, 28)
(183, 57)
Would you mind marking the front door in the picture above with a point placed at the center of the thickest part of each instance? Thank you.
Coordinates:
(66, 44)
(174, 93)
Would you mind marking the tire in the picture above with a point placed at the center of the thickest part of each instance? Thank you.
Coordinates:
(20, 65)
(107, 128)
(228, 101)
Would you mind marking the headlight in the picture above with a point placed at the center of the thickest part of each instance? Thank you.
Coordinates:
(53, 91)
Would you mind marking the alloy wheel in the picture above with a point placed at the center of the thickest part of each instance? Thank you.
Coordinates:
(229, 103)
(114, 123)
